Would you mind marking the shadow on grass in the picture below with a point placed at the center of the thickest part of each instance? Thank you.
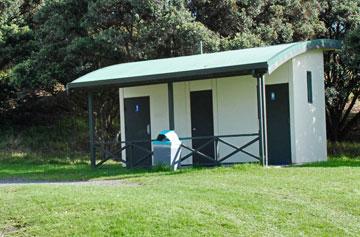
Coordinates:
(335, 162)
(13, 172)
(78, 172)
(83, 172)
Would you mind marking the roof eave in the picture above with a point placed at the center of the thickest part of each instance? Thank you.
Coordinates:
(300, 48)
(205, 73)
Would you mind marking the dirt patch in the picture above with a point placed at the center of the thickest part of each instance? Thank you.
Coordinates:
(13, 182)
(8, 230)
(14, 226)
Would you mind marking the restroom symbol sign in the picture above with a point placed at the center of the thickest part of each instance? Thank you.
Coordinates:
(137, 108)
(272, 96)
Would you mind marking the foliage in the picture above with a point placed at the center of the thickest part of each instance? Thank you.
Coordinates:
(271, 21)
(75, 37)
(254, 23)
(348, 149)
(62, 138)
(16, 44)
(343, 88)
(57, 25)
(175, 33)
(44, 44)
(106, 108)
(341, 19)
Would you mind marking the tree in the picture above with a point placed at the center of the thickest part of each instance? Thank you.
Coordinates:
(341, 18)
(253, 23)
(56, 26)
(343, 88)
(44, 44)
(74, 37)
(174, 32)
(139, 30)
(16, 45)
(270, 21)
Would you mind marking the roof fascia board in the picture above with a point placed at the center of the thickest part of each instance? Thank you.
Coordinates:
(174, 77)
(300, 48)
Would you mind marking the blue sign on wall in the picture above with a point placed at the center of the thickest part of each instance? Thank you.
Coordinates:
(273, 96)
(137, 108)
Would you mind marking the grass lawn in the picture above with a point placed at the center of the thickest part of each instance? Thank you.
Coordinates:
(314, 200)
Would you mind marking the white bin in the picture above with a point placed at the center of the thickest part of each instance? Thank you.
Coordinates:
(167, 149)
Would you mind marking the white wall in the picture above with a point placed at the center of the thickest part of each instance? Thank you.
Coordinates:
(237, 114)
(182, 108)
(159, 116)
(238, 117)
(309, 119)
(280, 75)
(284, 74)
(235, 108)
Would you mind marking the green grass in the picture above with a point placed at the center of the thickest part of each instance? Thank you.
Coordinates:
(319, 199)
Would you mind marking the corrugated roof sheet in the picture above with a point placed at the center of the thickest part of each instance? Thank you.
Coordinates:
(233, 62)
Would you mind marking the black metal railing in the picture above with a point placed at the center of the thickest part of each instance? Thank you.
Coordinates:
(114, 150)
(117, 149)
(216, 158)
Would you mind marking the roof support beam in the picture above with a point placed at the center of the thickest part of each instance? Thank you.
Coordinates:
(91, 129)
(171, 106)
(261, 104)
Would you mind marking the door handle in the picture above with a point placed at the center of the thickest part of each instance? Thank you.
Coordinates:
(194, 129)
(148, 129)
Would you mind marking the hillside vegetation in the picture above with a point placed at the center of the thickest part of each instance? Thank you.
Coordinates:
(45, 44)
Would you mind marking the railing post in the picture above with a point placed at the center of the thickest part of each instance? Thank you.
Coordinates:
(264, 121)
(91, 130)
(216, 143)
(132, 155)
(261, 104)
(171, 106)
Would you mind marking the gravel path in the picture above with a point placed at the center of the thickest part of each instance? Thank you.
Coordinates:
(12, 182)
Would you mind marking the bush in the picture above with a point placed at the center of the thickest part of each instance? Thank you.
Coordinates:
(349, 149)
(66, 138)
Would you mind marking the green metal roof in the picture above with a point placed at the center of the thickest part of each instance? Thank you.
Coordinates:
(226, 63)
